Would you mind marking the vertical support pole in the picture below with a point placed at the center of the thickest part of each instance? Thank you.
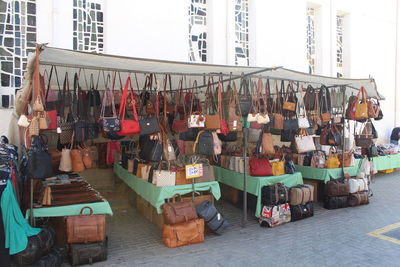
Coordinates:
(343, 89)
(245, 140)
(32, 220)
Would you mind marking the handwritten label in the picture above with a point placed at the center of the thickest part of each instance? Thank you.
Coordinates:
(194, 171)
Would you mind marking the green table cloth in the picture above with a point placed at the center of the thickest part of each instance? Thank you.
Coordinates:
(70, 210)
(326, 174)
(387, 162)
(254, 184)
(157, 195)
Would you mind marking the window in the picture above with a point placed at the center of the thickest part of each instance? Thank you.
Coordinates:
(17, 39)
(339, 46)
(198, 30)
(311, 39)
(88, 26)
(242, 32)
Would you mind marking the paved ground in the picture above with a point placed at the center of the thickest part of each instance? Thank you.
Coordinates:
(330, 238)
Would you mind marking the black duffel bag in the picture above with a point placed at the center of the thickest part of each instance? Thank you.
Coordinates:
(331, 203)
(204, 143)
(150, 150)
(38, 246)
(274, 194)
(88, 253)
(54, 259)
(299, 212)
(212, 217)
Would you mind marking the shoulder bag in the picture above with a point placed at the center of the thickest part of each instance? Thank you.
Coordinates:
(245, 98)
(234, 112)
(260, 167)
(109, 124)
(181, 125)
(39, 160)
(128, 127)
(361, 107)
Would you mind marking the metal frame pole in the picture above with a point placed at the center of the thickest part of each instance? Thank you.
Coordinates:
(245, 140)
(343, 89)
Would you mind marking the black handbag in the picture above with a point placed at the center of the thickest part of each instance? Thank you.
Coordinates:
(334, 138)
(287, 135)
(299, 212)
(149, 126)
(38, 245)
(289, 165)
(189, 135)
(204, 143)
(245, 98)
(39, 160)
(290, 124)
(80, 131)
(331, 203)
(150, 150)
(230, 137)
(274, 194)
(88, 253)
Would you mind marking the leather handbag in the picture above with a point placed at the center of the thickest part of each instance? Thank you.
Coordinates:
(331, 203)
(39, 164)
(332, 160)
(360, 198)
(364, 138)
(245, 98)
(217, 144)
(274, 194)
(318, 159)
(260, 167)
(204, 144)
(81, 254)
(373, 108)
(361, 108)
(65, 161)
(301, 194)
(289, 165)
(189, 135)
(149, 126)
(181, 177)
(143, 171)
(254, 135)
(150, 149)
(234, 112)
(278, 168)
(212, 122)
(349, 159)
(128, 127)
(77, 160)
(335, 188)
(179, 212)
(189, 148)
(304, 143)
(86, 228)
(112, 123)
(299, 212)
(267, 144)
(208, 174)
(289, 103)
(181, 125)
(272, 216)
(87, 158)
(334, 138)
(163, 178)
(182, 234)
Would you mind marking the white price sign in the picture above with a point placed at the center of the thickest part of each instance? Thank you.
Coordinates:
(194, 171)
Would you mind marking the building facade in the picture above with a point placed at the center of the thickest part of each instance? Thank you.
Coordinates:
(354, 39)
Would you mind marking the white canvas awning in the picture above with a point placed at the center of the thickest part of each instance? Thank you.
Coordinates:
(89, 63)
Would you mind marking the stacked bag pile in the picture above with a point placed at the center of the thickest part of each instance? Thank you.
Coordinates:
(358, 190)
(182, 225)
(282, 204)
(336, 195)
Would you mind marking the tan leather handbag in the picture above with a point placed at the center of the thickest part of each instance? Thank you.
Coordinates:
(267, 144)
(87, 157)
(182, 234)
(77, 160)
(86, 228)
(65, 161)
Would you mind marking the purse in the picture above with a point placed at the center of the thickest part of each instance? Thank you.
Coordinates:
(65, 161)
(128, 127)
(109, 124)
(260, 167)
(365, 136)
(182, 234)
(234, 112)
(77, 160)
(245, 101)
(163, 178)
(333, 159)
(361, 107)
(318, 160)
(278, 168)
(86, 228)
(333, 137)
(181, 125)
(289, 103)
(150, 150)
(217, 144)
(267, 144)
(39, 164)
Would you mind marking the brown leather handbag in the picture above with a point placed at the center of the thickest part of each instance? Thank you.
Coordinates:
(87, 157)
(181, 177)
(234, 112)
(178, 212)
(336, 188)
(182, 234)
(360, 198)
(86, 228)
(77, 160)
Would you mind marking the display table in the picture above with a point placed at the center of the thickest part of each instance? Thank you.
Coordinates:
(386, 162)
(156, 195)
(102, 207)
(326, 174)
(254, 184)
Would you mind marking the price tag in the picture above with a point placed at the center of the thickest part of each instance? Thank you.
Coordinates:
(194, 171)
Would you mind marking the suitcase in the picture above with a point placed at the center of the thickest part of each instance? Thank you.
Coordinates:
(335, 188)
(212, 217)
(274, 194)
(88, 253)
(299, 212)
(38, 246)
(360, 198)
(301, 194)
(275, 215)
(53, 259)
(331, 203)
(183, 234)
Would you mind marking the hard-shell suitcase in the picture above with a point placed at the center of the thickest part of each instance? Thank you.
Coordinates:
(88, 253)
(212, 217)
(299, 212)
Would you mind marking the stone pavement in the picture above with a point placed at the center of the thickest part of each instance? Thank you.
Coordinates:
(330, 238)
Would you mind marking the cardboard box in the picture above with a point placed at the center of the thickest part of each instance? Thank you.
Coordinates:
(318, 188)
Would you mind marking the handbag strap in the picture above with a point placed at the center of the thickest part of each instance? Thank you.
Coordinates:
(180, 86)
(220, 108)
(122, 108)
(235, 99)
(108, 97)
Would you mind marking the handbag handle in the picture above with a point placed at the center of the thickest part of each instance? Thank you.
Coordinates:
(86, 207)
(122, 107)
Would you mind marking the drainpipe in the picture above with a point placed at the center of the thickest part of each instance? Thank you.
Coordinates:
(397, 71)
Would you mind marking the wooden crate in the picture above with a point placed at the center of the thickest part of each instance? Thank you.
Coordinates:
(229, 193)
(318, 188)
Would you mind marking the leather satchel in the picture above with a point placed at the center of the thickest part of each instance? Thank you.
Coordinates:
(301, 194)
(267, 144)
(179, 212)
(335, 188)
(182, 234)
(77, 160)
(260, 167)
(86, 228)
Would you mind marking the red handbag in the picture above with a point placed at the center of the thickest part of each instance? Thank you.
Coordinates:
(52, 116)
(260, 167)
(224, 129)
(128, 127)
(180, 126)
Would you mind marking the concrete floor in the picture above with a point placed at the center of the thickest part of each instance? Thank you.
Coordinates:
(330, 238)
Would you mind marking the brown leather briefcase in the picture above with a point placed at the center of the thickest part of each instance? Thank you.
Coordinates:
(182, 234)
(86, 228)
(179, 212)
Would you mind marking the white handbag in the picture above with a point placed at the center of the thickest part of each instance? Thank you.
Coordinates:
(252, 117)
(217, 144)
(164, 178)
(262, 118)
(358, 185)
(301, 114)
(304, 143)
(303, 123)
(196, 121)
(65, 161)
(23, 121)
